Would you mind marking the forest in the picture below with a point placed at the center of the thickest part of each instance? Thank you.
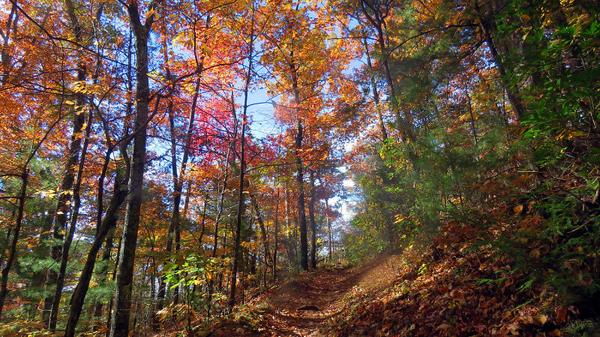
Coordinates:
(299, 168)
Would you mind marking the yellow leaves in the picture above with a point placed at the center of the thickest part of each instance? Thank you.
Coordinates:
(466, 117)
(400, 218)
(150, 13)
(569, 134)
(46, 194)
(252, 245)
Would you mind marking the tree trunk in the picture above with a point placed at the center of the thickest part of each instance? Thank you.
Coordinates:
(263, 233)
(11, 27)
(64, 199)
(104, 271)
(513, 95)
(276, 237)
(377, 20)
(240, 206)
(301, 204)
(313, 223)
(13, 245)
(238, 222)
(329, 230)
(60, 280)
(382, 129)
(299, 169)
(291, 239)
(211, 283)
(107, 225)
(472, 118)
(124, 282)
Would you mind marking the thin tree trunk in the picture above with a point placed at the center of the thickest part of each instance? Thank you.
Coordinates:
(301, 204)
(203, 224)
(217, 221)
(292, 253)
(377, 20)
(104, 271)
(60, 280)
(111, 303)
(263, 232)
(472, 118)
(238, 223)
(313, 223)
(64, 199)
(329, 231)
(276, 237)
(106, 228)
(512, 93)
(13, 245)
(299, 169)
(66, 188)
(124, 282)
(382, 129)
(240, 206)
(11, 27)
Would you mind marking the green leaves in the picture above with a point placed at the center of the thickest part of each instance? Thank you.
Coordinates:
(193, 270)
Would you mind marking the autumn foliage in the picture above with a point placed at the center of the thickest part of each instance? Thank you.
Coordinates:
(165, 165)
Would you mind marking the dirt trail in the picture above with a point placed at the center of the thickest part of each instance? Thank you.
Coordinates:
(312, 303)
(302, 306)
(309, 303)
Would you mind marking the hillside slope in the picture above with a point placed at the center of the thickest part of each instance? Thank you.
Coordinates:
(453, 289)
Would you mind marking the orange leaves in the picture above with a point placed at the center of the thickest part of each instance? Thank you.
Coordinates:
(531, 221)
(518, 209)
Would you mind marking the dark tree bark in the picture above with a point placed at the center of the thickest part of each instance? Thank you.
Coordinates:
(60, 280)
(263, 235)
(276, 237)
(301, 203)
(329, 229)
(472, 118)
(242, 177)
(124, 281)
(239, 217)
(382, 129)
(299, 166)
(313, 223)
(64, 199)
(107, 225)
(486, 25)
(104, 270)
(376, 13)
(11, 28)
(66, 188)
(221, 199)
(13, 244)
(291, 239)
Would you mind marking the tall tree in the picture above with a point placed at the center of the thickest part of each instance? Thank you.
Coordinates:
(251, 37)
(124, 281)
